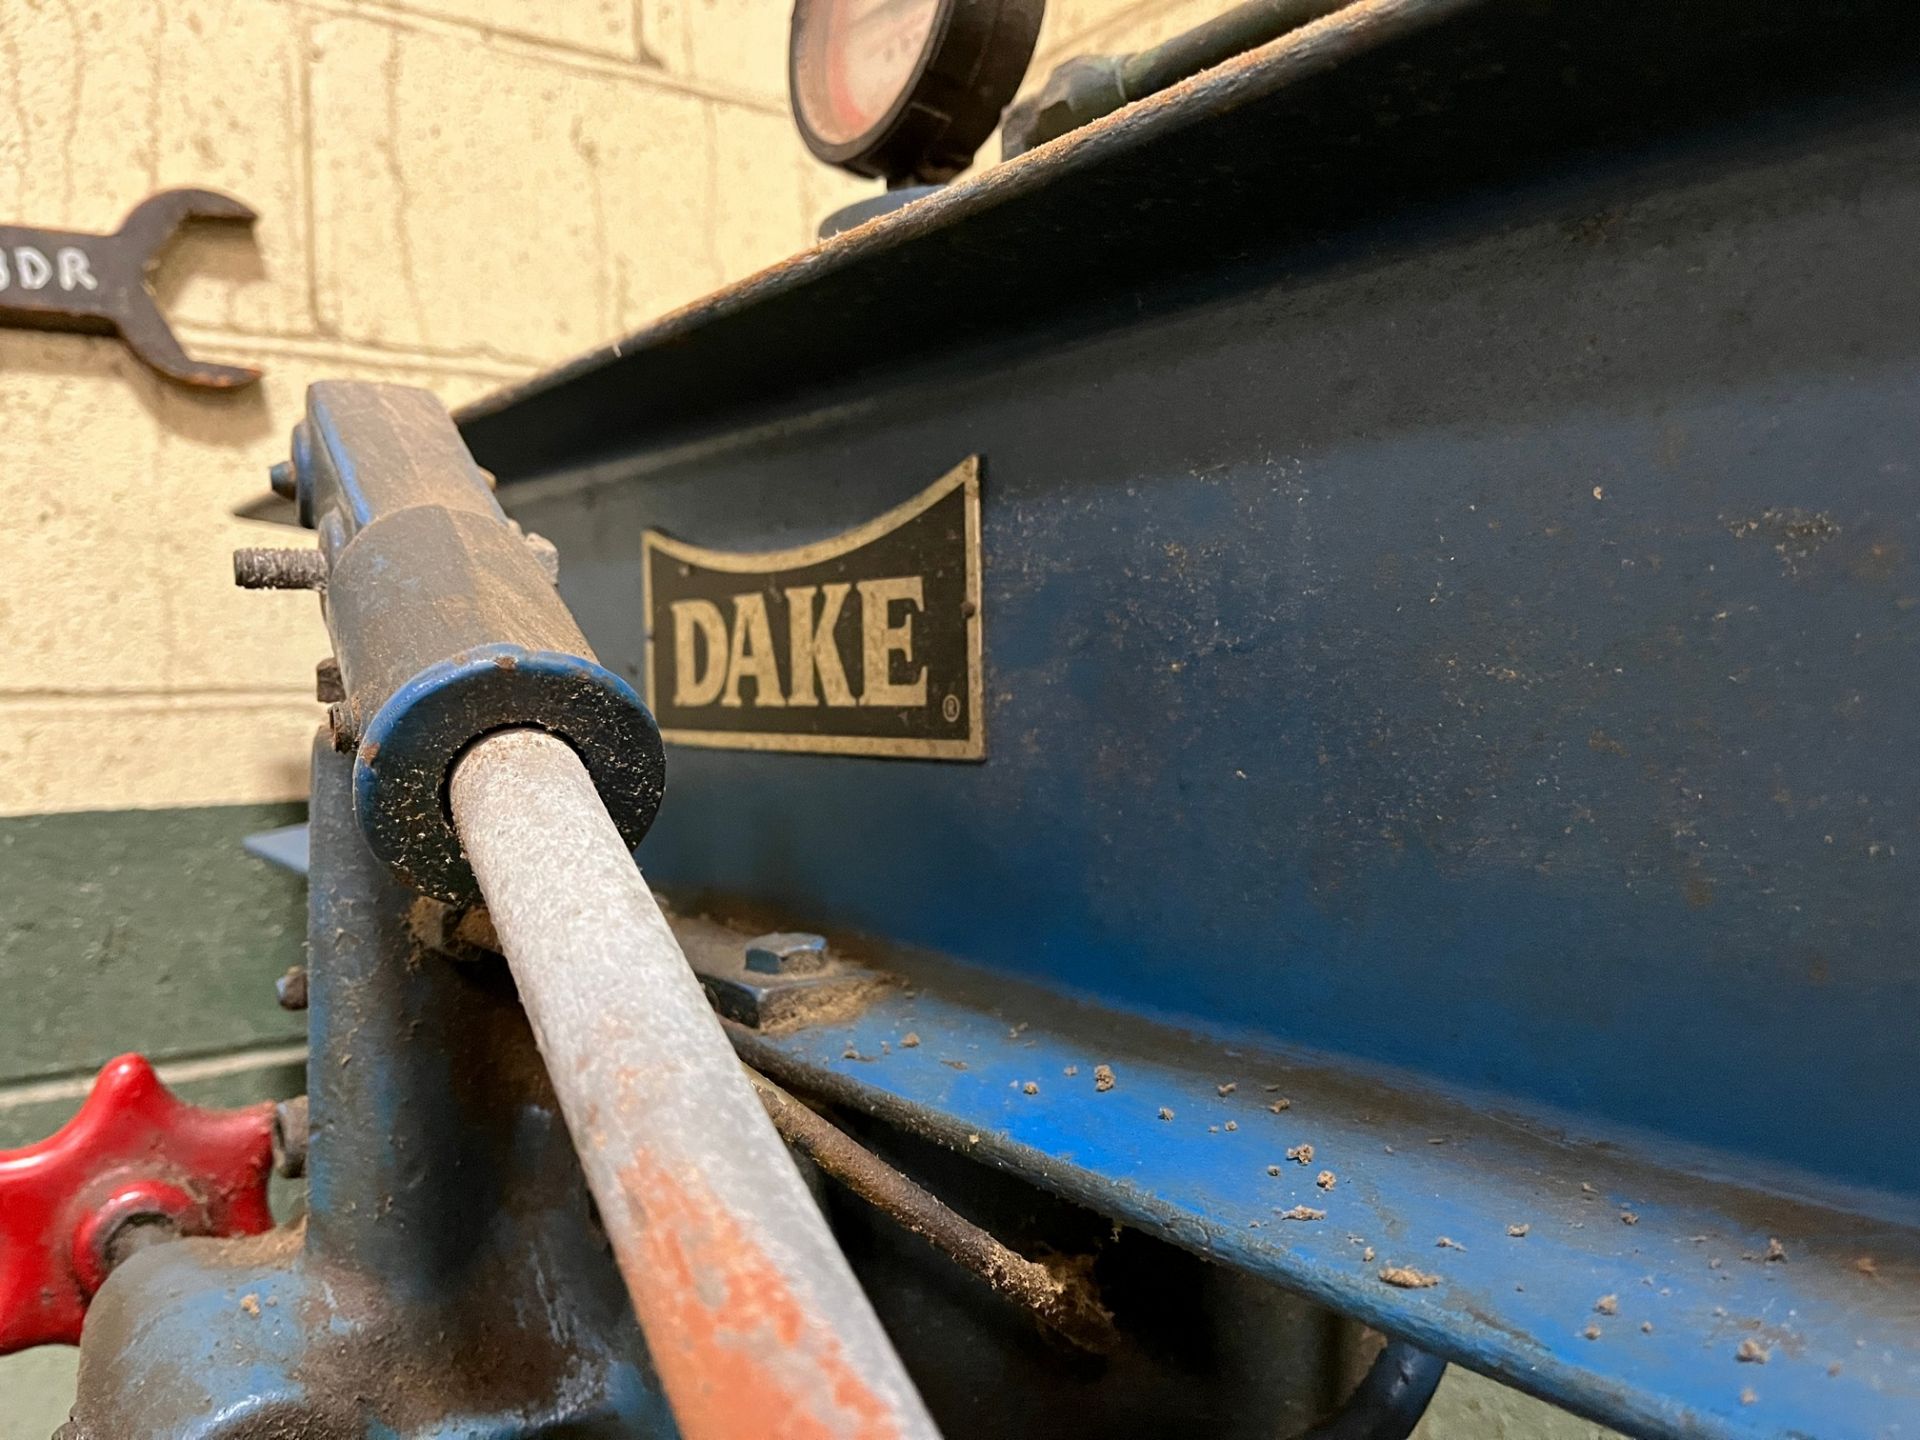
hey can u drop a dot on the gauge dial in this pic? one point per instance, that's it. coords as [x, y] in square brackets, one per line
[856, 58]
[906, 89]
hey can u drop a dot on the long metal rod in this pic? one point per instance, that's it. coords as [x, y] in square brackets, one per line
[1065, 1303]
[754, 1320]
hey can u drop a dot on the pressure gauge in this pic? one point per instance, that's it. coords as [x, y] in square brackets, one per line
[906, 89]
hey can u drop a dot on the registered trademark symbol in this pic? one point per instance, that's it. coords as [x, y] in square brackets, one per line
[950, 708]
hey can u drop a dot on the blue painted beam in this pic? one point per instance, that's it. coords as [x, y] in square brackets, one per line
[1613, 1274]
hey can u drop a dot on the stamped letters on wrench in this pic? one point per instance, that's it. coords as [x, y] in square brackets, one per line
[97, 284]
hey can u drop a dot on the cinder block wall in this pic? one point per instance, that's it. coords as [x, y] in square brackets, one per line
[452, 193]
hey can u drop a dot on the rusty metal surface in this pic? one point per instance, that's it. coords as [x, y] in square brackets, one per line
[1061, 1298]
[97, 284]
[753, 1319]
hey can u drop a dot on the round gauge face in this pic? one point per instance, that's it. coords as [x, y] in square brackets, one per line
[855, 59]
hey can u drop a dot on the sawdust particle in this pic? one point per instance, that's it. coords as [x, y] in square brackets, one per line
[1627, 1217]
[1447, 1242]
[1233, 1124]
[1607, 1305]
[1518, 1231]
[1301, 1212]
[1747, 1397]
[1302, 1153]
[1775, 1250]
[1273, 1169]
[909, 1040]
[954, 1064]
[1592, 1332]
[1071, 1071]
[251, 1304]
[1165, 1113]
[1752, 1352]
[1406, 1278]
[1325, 1180]
[1030, 1088]
[1646, 1327]
[1103, 1078]
[1866, 1266]
[1281, 1104]
[1225, 1090]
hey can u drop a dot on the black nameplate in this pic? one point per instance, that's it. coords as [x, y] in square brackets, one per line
[865, 644]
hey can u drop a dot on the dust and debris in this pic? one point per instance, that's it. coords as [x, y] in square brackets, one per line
[1366, 1256]
[1592, 1332]
[1103, 1078]
[1747, 1397]
[1213, 1129]
[1271, 1089]
[1627, 1217]
[1774, 1252]
[1165, 1113]
[1325, 1180]
[1607, 1305]
[1281, 1104]
[1071, 1071]
[1017, 1031]
[909, 1041]
[1387, 1148]
[1447, 1242]
[1796, 534]
[973, 1137]
[1273, 1169]
[1752, 1352]
[1587, 1189]
[1866, 1265]
[1713, 1263]
[886, 1048]
[1301, 1153]
[1407, 1278]
[1225, 1090]
[1518, 1231]
[954, 1064]
[1233, 1125]
[1834, 1368]
[1030, 1088]
[1301, 1212]
[251, 1304]
[1646, 1327]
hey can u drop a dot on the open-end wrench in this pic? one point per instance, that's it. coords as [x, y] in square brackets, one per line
[97, 284]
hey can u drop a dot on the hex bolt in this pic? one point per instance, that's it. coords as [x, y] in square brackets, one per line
[290, 1138]
[291, 988]
[328, 684]
[787, 953]
[258, 569]
[280, 476]
[341, 729]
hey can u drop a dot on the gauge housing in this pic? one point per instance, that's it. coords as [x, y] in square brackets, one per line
[957, 64]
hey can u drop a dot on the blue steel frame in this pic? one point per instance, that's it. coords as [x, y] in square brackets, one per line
[1450, 655]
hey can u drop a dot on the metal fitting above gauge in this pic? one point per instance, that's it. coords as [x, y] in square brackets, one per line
[906, 90]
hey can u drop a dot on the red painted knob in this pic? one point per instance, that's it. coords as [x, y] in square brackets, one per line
[134, 1163]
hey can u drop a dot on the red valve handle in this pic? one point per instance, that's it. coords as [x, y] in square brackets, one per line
[134, 1157]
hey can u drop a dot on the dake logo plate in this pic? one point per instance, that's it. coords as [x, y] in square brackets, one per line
[865, 644]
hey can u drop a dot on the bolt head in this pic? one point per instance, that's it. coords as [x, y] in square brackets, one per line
[787, 952]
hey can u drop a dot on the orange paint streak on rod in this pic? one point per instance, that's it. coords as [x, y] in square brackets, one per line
[756, 1324]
